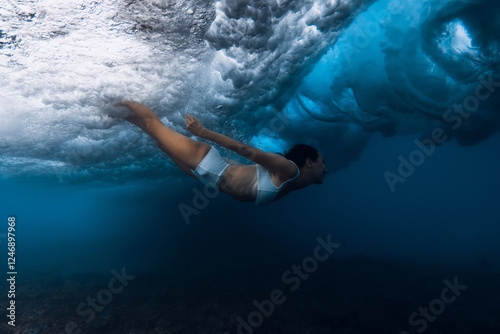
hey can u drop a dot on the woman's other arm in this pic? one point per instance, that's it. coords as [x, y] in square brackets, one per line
[271, 161]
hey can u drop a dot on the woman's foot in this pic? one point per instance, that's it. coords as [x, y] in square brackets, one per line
[125, 103]
[143, 112]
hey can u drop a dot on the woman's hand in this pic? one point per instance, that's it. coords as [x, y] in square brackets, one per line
[194, 126]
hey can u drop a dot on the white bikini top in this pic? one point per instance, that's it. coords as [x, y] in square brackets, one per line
[266, 190]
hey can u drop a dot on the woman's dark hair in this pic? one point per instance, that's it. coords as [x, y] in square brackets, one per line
[300, 152]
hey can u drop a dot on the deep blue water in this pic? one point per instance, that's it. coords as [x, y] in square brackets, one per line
[363, 81]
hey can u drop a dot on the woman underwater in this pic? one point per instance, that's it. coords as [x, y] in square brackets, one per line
[270, 178]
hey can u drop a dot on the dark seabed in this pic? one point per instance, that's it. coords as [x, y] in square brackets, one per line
[353, 295]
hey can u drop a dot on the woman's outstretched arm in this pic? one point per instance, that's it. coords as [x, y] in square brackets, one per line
[195, 127]
[271, 161]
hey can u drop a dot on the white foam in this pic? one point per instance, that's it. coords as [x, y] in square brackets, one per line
[73, 62]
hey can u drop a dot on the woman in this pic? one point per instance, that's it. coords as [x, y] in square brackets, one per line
[272, 177]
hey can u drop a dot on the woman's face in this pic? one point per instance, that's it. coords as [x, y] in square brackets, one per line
[318, 169]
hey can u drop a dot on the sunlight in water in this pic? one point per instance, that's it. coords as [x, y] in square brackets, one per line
[460, 39]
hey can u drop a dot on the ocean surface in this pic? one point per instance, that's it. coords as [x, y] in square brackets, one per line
[400, 97]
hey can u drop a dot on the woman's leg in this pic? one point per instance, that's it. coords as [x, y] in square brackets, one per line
[140, 123]
[185, 152]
